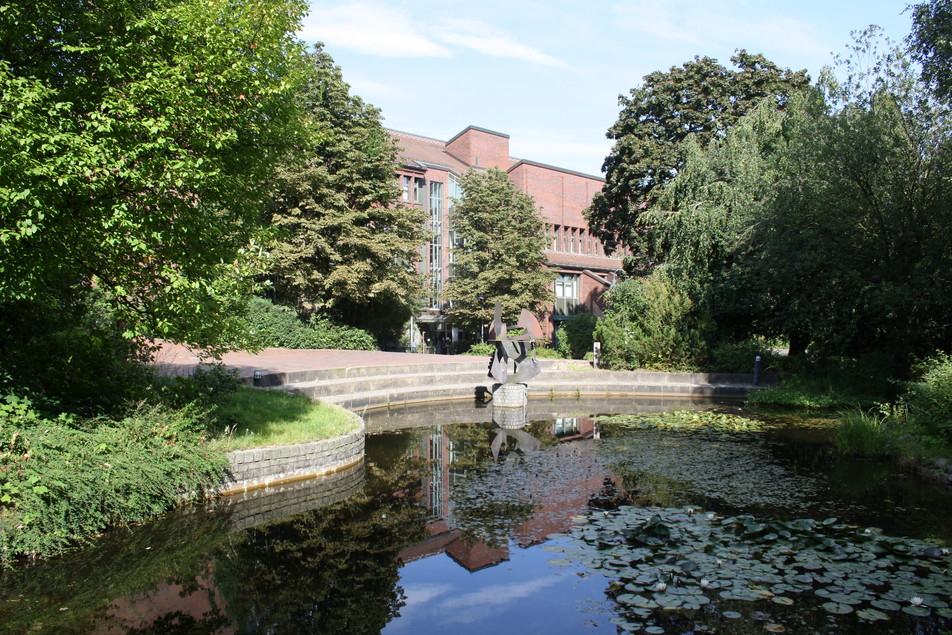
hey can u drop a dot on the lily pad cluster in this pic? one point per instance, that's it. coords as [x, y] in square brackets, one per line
[704, 566]
[685, 420]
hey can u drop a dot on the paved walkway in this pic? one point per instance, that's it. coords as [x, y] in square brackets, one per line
[178, 360]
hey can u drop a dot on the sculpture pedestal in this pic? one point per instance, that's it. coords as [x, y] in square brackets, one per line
[510, 395]
[510, 405]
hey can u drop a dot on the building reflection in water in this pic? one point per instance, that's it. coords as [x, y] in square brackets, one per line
[460, 452]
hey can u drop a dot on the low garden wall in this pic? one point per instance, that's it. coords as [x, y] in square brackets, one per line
[279, 465]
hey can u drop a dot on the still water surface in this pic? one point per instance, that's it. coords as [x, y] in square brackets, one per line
[456, 525]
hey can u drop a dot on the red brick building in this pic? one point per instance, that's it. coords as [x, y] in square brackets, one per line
[429, 175]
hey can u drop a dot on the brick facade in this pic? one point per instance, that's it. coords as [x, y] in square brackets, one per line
[429, 174]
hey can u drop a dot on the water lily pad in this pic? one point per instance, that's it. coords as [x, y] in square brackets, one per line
[560, 562]
[918, 611]
[775, 628]
[655, 630]
[731, 615]
[780, 599]
[886, 605]
[872, 615]
[836, 608]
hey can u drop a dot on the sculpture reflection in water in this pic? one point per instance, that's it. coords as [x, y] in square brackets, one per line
[512, 365]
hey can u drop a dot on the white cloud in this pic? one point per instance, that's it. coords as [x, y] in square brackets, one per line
[370, 28]
[710, 24]
[489, 40]
[469, 607]
[387, 30]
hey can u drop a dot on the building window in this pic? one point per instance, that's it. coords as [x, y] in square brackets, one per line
[566, 294]
[405, 186]
[419, 191]
[436, 243]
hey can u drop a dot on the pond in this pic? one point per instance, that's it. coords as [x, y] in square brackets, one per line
[569, 524]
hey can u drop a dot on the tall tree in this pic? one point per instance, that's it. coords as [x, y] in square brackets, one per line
[826, 222]
[931, 42]
[136, 137]
[701, 98]
[501, 258]
[342, 248]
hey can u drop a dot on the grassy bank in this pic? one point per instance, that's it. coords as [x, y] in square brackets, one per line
[65, 479]
[251, 418]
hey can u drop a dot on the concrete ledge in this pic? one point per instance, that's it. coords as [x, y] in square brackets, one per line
[284, 464]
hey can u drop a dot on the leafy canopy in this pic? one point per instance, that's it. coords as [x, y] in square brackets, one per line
[136, 137]
[702, 99]
[502, 256]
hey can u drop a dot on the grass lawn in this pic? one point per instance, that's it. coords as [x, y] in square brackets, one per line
[259, 418]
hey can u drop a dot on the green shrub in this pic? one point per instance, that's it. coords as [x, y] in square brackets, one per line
[481, 349]
[65, 480]
[650, 323]
[280, 327]
[545, 352]
[69, 355]
[738, 357]
[576, 335]
[929, 400]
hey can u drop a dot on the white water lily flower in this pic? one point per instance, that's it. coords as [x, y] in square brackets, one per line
[661, 586]
[711, 516]
[944, 551]
[690, 510]
[867, 531]
[719, 562]
[916, 601]
[705, 583]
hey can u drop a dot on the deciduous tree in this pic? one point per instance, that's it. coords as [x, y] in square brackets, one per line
[701, 98]
[501, 258]
[136, 137]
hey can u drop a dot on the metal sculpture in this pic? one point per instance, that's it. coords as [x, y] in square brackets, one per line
[517, 349]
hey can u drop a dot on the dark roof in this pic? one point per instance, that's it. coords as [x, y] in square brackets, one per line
[426, 152]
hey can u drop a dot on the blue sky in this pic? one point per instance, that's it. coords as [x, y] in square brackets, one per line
[549, 73]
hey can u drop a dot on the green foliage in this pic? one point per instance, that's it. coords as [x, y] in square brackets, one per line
[280, 327]
[821, 222]
[547, 352]
[702, 99]
[67, 353]
[862, 433]
[738, 357]
[931, 44]
[481, 349]
[929, 399]
[576, 335]
[136, 139]
[343, 249]
[65, 480]
[649, 323]
[207, 388]
[501, 257]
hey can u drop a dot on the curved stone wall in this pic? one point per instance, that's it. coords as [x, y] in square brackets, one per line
[283, 464]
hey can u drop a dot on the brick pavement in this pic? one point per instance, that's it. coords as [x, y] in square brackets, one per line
[179, 360]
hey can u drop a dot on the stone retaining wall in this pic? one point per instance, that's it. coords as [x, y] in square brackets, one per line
[277, 465]
[262, 505]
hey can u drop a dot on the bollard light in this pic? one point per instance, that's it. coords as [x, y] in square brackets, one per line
[757, 370]
[258, 376]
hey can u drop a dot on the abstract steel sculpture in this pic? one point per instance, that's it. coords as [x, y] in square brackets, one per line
[517, 348]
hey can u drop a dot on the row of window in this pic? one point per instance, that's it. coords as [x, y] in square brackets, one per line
[575, 240]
